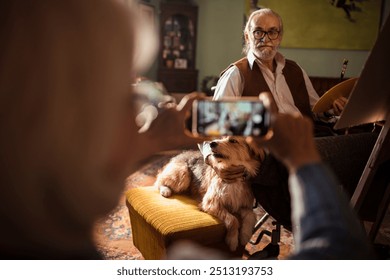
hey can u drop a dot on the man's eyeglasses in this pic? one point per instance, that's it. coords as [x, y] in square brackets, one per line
[260, 34]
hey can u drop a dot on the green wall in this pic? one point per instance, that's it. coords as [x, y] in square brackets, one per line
[220, 25]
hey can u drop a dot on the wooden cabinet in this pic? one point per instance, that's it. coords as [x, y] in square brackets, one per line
[176, 69]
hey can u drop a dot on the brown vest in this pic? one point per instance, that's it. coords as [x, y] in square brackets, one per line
[254, 82]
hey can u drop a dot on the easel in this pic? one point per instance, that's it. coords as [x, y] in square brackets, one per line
[369, 102]
[376, 177]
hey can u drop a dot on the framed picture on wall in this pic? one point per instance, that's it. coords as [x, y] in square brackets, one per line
[330, 24]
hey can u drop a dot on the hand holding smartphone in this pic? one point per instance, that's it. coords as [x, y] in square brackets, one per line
[241, 117]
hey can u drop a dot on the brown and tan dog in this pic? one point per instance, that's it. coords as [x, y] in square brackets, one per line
[229, 200]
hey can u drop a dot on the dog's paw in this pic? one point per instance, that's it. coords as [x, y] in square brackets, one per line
[232, 243]
[247, 225]
[165, 191]
[245, 236]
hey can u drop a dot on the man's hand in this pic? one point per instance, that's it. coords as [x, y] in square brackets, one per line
[292, 141]
[167, 130]
[338, 105]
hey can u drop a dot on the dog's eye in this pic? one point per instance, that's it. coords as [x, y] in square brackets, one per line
[232, 140]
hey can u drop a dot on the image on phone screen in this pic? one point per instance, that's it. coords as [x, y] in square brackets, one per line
[219, 118]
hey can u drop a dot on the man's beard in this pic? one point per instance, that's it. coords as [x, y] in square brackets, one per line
[264, 53]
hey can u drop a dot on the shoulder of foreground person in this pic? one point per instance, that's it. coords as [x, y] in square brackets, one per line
[326, 227]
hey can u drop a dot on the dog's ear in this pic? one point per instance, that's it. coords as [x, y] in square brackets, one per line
[257, 157]
[256, 152]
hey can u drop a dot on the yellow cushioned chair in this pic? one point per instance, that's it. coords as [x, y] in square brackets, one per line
[157, 221]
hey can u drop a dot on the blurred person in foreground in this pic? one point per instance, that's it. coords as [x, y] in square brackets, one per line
[68, 135]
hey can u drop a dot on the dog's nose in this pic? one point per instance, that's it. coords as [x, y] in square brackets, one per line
[213, 144]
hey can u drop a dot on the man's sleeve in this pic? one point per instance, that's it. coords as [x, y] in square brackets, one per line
[229, 85]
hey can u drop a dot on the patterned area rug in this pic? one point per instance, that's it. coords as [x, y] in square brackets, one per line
[113, 235]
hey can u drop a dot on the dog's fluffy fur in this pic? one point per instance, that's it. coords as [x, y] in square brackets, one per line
[230, 201]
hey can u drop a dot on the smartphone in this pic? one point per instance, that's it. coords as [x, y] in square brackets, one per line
[242, 117]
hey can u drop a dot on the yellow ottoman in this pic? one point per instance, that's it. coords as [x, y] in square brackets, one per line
[157, 221]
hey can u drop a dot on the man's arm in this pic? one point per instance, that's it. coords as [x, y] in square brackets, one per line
[325, 226]
[229, 85]
[313, 95]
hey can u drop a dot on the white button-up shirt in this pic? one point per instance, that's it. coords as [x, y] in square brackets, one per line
[231, 84]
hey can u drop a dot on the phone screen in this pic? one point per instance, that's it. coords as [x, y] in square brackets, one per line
[233, 117]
